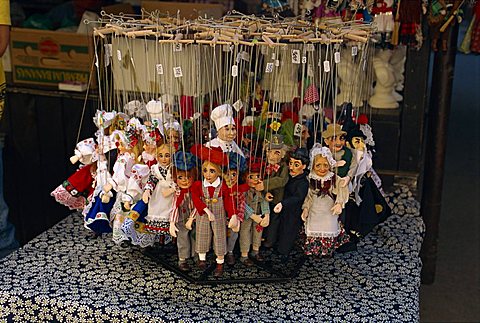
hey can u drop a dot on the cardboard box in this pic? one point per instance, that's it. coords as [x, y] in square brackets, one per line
[48, 57]
[188, 10]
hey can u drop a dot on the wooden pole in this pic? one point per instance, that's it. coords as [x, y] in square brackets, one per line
[436, 141]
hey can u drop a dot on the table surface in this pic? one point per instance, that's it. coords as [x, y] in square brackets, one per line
[65, 275]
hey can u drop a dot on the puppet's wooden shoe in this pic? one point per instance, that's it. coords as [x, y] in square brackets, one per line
[218, 272]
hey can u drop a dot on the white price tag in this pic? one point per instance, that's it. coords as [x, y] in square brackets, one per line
[295, 56]
[337, 57]
[234, 70]
[269, 68]
[238, 105]
[159, 68]
[304, 59]
[354, 50]
[177, 47]
[119, 55]
[274, 56]
[326, 66]
[177, 71]
[297, 132]
[277, 62]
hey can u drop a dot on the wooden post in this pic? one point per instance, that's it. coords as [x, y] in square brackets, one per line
[436, 141]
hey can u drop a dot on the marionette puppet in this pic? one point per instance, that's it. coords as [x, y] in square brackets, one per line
[441, 17]
[289, 209]
[275, 179]
[222, 116]
[96, 213]
[159, 192]
[256, 216]
[236, 165]
[129, 149]
[184, 173]
[323, 206]
[212, 200]
[368, 206]
[152, 138]
[173, 132]
[335, 139]
[74, 191]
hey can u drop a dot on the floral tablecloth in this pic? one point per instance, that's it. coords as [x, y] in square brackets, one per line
[65, 275]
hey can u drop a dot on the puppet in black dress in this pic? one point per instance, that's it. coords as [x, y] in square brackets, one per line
[290, 207]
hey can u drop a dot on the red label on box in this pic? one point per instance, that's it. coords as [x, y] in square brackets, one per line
[49, 47]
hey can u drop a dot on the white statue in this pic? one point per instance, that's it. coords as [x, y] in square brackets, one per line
[383, 97]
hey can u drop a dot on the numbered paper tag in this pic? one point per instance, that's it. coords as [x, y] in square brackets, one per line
[295, 56]
[119, 55]
[177, 47]
[234, 70]
[274, 56]
[309, 70]
[226, 48]
[354, 50]
[297, 132]
[304, 59]
[277, 62]
[310, 48]
[238, 105]
[177, 71]
[159, 68]
[337, 57]
[326, 66]
[269, 68]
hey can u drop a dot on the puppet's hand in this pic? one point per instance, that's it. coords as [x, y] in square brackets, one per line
[278, 208]
[126, 205]
[336, 209]
[340, 163]
[256, 218]
[265, 221]
[259, 187]
[269, 197]
[234, 223]
[167, 191]
[189, 223]
[146, 196]
[209, 213]
[173, 229]
[344, 181]
[74, 159]
[304, 215]
[105, 198]
[107, 187]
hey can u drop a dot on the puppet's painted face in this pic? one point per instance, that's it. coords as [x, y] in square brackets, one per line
[296, 167]
[184, 179]
[228, 132]
[253, 179]
[335, 143]
[210, 172]
[358, 143]
[150, 148]
[164, 157]
[231, 177]
[321, 165]
[274, 156]
[305, 133]
[173, 136]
